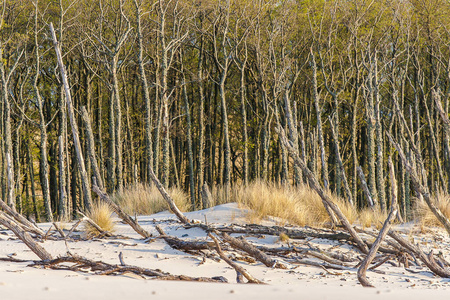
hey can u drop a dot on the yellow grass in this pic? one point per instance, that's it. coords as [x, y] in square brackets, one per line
[101, 214]
[424, 214]
[295, 205]
[372, 217]
[144, 200]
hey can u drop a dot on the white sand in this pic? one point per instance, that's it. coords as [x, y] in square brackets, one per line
[18, 281]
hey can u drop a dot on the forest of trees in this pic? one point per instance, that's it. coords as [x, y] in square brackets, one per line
[195, 90]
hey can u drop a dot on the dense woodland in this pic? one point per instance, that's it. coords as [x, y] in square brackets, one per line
[195, 91]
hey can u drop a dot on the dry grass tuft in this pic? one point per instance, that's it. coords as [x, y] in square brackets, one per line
[423, 213]
[296, 205]
[369, 217]
[101, 214]
[144, 200]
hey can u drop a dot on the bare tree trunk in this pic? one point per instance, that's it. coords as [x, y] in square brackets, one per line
[63, 207]
[370, 201]
[33, 188]
[434, 142]
[341, 164]
[201, 126]
[118, 124]
[370, 111]
[73, 124]
[379, 143]
[145, 92]
[24, 237]
[293, 133]
[7, 133]
[111, 161]
[319, 123]
[190, 153]
[90, 146]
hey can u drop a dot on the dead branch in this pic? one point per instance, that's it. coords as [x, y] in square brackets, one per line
[320, 265]
[24, 236]
[383, 232]
[325, 258]
[168, 198]
[183, 245]
[296, 234]
[239, 269]
[102, 268]
[59, 230]
[21, 219]
[243, 245]
[74, 227]
[427, 260]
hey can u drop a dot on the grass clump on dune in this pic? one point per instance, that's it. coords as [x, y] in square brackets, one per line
[296, 205]
[144, 200]
[372, 217]
[101, 214]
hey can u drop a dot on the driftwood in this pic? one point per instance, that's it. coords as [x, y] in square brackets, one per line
[102, 268]
[183, 245]
[59, 230]
[74, 227]
[383, 232]
[325, 258]
[243, 245]
[24, 236]
[239, 270]
[324, 265]
[428, 260]
[124, 216]
[296, 234]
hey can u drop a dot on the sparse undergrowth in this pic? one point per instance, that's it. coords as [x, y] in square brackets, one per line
[141, 199]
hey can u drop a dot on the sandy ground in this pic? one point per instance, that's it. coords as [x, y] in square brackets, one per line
[19, 281]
